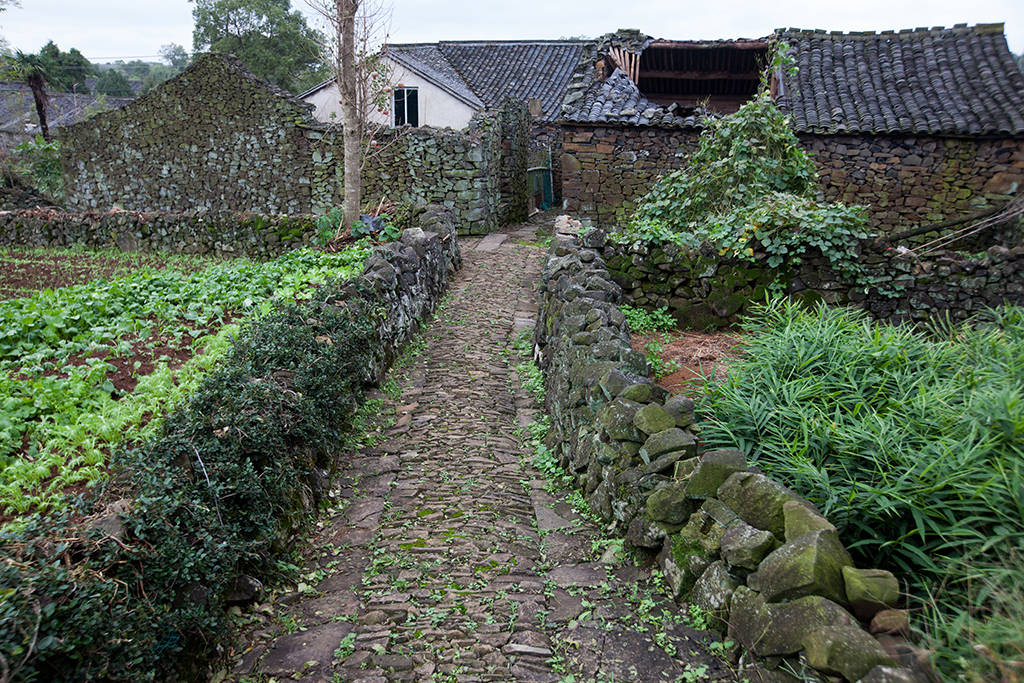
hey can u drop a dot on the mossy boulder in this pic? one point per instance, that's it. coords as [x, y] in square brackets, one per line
[744, 547]
[669, 505]
[707, 525]
[667, 440]
[799, 519]
[652, 419]
[616, 420]
[846, 650]
[680, 408]
[712, 592]
[870, 590]
[758, 500]
[665, 462]
[712, 470]
[773, 629]
[643, 533]
[620, 453]
[682, 563]
[812, 564]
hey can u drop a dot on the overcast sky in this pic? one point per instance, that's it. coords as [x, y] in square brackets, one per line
[106, 30]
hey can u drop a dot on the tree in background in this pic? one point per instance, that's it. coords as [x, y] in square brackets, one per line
[33, 70]
[113, 83]
[175, 55]
[273, 40]
[67, 71]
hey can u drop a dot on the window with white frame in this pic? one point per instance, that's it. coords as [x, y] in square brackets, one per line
[406, 107]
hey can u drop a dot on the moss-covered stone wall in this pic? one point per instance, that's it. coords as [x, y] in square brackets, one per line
[904, 181]
[702, 290]
[216, 138]
[762, 562]
[258, 236]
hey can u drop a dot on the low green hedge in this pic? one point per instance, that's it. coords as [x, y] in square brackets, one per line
[139, 591]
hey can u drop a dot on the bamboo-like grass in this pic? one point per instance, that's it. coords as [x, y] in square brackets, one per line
[912, 442]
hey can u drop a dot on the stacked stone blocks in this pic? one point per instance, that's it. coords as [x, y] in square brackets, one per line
[704, 290]
[767, 568]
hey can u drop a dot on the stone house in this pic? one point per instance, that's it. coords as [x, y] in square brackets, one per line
[919, 125]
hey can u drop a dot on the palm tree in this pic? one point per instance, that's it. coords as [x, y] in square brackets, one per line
[33, 70]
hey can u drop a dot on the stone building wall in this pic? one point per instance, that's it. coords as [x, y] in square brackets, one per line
[607, 169]
[216, 138]
[908, 181]
[904, 181]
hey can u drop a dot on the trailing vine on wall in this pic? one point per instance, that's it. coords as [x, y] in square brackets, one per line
[751, 191]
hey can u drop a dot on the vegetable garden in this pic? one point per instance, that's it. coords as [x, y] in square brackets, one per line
[85, 366]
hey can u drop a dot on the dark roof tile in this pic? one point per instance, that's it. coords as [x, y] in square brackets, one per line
[484, 73]
[958, 81]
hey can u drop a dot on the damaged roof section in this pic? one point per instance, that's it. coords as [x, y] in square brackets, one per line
[957, 81]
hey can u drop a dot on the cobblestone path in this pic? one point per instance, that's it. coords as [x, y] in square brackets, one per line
[448, 557]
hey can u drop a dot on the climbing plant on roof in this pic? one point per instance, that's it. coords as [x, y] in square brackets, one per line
[750, 190]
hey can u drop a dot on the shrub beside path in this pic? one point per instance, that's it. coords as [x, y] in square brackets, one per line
[447, 557]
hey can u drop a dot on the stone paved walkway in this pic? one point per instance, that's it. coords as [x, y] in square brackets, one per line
[447, 557]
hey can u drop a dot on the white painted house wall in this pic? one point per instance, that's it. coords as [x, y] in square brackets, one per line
[437, 107]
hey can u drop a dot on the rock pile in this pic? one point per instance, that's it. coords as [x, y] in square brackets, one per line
[764, 564]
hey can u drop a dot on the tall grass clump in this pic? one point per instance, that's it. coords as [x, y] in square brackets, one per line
[912, 442]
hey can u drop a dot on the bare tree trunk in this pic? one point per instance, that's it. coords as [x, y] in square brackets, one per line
[352, 132]
[35, 82]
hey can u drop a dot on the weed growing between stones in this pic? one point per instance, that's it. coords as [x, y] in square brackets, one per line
[641, 320]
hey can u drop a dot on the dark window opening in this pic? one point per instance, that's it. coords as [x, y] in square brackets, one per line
[407, 109]
[719, 76]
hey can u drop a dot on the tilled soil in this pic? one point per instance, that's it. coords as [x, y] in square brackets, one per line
[697, 356]
[448, 558]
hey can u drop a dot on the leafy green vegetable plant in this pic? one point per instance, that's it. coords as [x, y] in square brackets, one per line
[641, 320]
[58, 421]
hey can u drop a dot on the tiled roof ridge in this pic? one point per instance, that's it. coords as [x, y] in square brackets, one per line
[416, 66]
[540, 41]
[978, 29]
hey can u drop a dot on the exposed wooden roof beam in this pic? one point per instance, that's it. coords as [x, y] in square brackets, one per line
[700, 75]
[707, 45]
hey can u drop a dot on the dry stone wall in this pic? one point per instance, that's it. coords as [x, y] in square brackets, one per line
[213, 138]
[763, 563]
[703, 290]
[196, 232]
[904, 181]
[216, 138]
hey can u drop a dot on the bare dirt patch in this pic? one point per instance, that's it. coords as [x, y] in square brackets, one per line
[700, 355]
